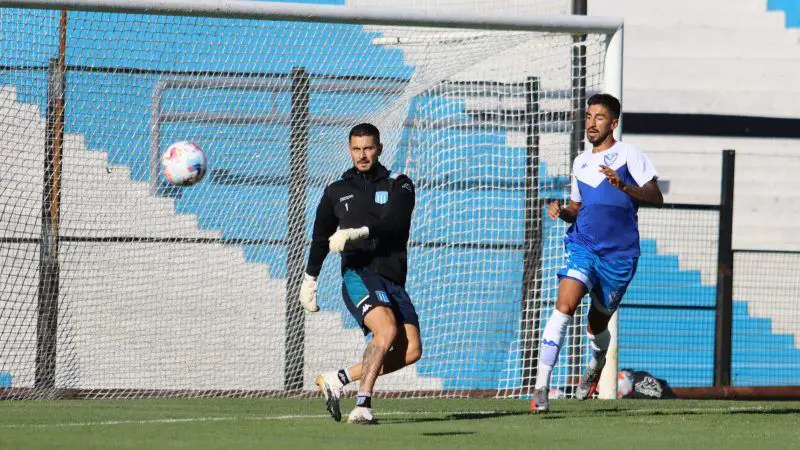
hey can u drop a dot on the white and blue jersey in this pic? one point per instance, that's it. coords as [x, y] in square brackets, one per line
[607, 223]
[603, 244]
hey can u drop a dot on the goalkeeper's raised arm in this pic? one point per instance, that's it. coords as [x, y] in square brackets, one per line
[325, 224]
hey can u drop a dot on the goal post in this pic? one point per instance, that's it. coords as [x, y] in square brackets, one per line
[192, 291]
[607, 387]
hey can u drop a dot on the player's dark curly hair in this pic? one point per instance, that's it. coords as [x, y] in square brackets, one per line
[609, 101]
[366, 129]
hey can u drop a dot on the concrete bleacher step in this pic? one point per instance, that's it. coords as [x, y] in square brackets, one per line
[691, 42]
[769, 299]
[725, 71]
[23, 170]
[712, 145]
[692, 235]
[200, 344]
[706, 17]
[687, 77]
[781, 166]
[638, 6]
[745, 102]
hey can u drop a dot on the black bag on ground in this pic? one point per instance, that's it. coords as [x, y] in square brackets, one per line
[642, 385]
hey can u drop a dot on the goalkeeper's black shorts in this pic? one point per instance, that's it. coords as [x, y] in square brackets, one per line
[364, 290]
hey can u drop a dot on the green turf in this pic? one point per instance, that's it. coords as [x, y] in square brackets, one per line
[406, 424]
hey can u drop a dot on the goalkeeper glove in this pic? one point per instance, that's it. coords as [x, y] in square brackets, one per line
[308, 293]
[337, 242]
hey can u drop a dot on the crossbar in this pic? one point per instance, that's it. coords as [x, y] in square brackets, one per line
[292, 12]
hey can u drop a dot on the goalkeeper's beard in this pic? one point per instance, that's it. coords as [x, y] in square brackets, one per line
[365, 165]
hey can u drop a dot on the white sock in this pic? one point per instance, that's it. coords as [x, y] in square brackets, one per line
[599, 343]
[552, 338]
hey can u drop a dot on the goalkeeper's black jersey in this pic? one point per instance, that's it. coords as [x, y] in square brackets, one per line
[378, 199]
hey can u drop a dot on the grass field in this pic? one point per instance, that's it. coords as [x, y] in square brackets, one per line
[407, 424]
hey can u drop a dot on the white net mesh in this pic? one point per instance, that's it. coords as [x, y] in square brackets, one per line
[183, 291]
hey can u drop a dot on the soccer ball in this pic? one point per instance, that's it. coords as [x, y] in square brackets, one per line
[624, 383]
[183, 163]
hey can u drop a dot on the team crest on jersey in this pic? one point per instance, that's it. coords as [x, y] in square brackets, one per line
[381, 197]
[610, 158]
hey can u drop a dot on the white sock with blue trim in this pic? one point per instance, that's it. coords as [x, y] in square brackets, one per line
[599, 343]
[552, 338]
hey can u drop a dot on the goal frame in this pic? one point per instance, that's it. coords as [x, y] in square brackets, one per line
[612, 28]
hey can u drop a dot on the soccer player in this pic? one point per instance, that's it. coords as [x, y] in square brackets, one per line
[602, 244]
[372, 207]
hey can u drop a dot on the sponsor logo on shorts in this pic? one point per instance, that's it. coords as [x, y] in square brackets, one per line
[365, 309]
[614, 296]
[382, 296]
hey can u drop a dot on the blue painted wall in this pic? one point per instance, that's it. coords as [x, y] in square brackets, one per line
[790, 7]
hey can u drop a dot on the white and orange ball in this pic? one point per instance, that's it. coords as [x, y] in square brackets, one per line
[624, 383]
[184, 163]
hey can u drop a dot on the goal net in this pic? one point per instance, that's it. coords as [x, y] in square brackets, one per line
[114, 283]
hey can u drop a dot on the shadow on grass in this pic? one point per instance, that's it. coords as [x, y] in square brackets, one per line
[447, 433]
[655, 411]
[456, 416]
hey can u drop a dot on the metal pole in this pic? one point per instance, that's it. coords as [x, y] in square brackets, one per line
[578, 84]
[579, 8]
[49, 271]
[155, 134]
[724, 312]
[532, 259]
[296, 232]
[612, 84]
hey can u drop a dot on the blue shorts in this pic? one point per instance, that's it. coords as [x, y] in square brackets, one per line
[363, 290]
[606, 280]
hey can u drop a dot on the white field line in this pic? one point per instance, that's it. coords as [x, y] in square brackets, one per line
[231, 418]
[382, 414]
[695, 410]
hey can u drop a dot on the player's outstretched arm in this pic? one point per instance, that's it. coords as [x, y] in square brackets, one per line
[325, 224]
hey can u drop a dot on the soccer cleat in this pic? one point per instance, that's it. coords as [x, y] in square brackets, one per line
[361, 416]
[331, 388]
[587, 384]
[540, 402]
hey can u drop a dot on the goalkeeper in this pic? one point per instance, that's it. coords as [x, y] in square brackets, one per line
[372, 208]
